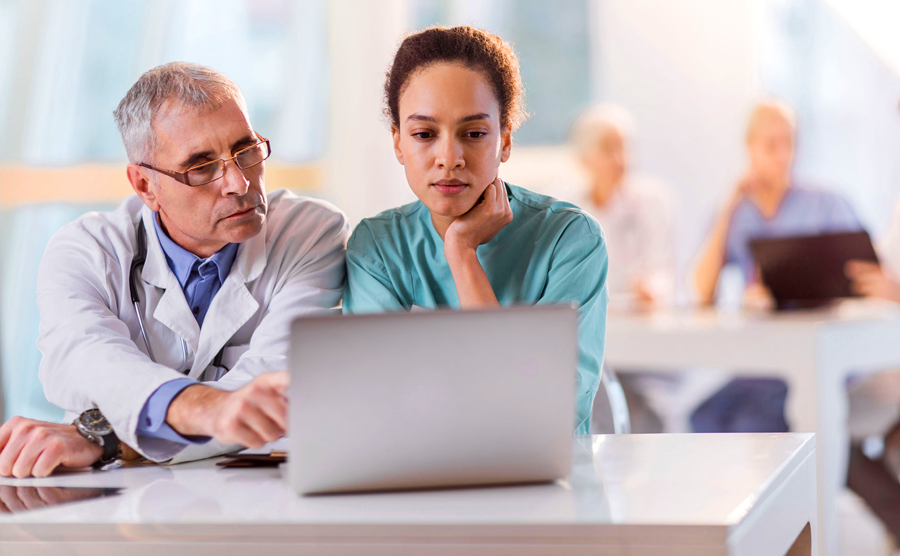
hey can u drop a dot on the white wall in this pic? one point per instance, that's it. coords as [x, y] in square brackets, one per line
[363, 176]
[688, 72]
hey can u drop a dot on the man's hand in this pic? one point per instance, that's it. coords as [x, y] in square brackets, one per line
[868, 279]
[21, 498]
[30, 448]
[251, 416]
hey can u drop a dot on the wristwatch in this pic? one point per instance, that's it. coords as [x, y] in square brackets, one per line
[93, 425]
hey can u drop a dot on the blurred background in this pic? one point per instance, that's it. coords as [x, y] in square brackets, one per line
[688, 71]
[312, 72]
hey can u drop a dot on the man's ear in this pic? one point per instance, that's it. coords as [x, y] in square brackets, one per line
[141, 182]
[505, 143]
[395, 133]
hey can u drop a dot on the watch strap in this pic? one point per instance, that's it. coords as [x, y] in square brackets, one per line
[110, 449]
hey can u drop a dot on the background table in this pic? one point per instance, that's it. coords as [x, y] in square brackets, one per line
[697, 495]
[813, 351]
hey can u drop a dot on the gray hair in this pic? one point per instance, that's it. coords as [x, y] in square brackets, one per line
[190, 85]
[594, 123]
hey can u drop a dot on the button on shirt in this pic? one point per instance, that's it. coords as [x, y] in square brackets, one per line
[200, 279]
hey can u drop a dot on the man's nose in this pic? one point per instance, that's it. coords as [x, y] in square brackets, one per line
[234, 182]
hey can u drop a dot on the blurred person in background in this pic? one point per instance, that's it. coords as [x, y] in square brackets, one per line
[636, 212]
[637, 216]
[874, 400]
[765, 203]
[880, 280]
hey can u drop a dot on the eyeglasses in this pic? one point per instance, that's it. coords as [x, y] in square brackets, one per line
[211, 171]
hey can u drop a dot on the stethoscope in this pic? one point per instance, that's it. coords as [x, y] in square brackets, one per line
[137, 263]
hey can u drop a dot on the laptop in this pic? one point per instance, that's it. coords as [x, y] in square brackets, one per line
[808, 271]
[432, 399]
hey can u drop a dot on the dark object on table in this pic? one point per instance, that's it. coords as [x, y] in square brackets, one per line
[237, 459]
[15, 499]
[808, 271]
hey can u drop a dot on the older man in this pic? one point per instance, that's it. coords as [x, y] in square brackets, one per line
[162, 322]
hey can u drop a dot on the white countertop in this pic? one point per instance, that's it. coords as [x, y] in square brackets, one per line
[705, 318]
[813, 351]
[711, 479]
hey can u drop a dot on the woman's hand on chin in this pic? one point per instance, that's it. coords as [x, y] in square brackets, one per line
[481, 223]
[465, 234]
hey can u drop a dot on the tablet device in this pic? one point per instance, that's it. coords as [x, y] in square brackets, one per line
[807, 271]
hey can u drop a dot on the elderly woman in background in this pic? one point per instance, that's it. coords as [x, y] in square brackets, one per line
[765, 203]
[636, 212]
[637, 216]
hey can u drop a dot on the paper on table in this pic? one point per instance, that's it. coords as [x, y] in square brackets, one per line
[280, 445]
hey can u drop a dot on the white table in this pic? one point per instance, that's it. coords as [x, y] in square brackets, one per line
[813, 351]
[698, 495]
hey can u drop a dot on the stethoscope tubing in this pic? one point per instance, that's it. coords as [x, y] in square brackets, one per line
[137, 262]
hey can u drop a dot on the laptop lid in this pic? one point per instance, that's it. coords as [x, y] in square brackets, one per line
[432, 399]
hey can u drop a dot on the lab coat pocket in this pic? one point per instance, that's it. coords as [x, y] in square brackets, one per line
[231, 354]
[230, 357]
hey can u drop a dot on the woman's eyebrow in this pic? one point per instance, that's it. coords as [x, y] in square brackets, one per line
[473, 117]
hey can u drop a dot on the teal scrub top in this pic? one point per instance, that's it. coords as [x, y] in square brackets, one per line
[552, 252]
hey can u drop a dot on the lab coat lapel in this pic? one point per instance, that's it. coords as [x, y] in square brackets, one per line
[233, 305]
[172, 310]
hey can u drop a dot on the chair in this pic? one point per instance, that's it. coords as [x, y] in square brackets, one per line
[610, 410]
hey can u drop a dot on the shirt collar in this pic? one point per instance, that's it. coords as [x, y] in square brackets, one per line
[182, 261]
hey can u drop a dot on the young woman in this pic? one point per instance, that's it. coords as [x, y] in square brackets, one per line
[454, 97]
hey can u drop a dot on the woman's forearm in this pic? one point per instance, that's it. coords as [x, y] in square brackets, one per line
[712, 258]
[472, 284]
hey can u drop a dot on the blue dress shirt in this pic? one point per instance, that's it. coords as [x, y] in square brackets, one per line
[803, 211]
[200, 279]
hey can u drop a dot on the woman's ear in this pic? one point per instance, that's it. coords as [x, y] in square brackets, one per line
[395, 133]
[140, 181]
[505, 143]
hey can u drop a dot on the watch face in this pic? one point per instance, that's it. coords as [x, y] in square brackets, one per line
[94, 422]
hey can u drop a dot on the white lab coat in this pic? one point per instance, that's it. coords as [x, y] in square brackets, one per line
[93, 353]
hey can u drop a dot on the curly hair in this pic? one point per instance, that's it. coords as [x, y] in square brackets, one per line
[475, 49]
